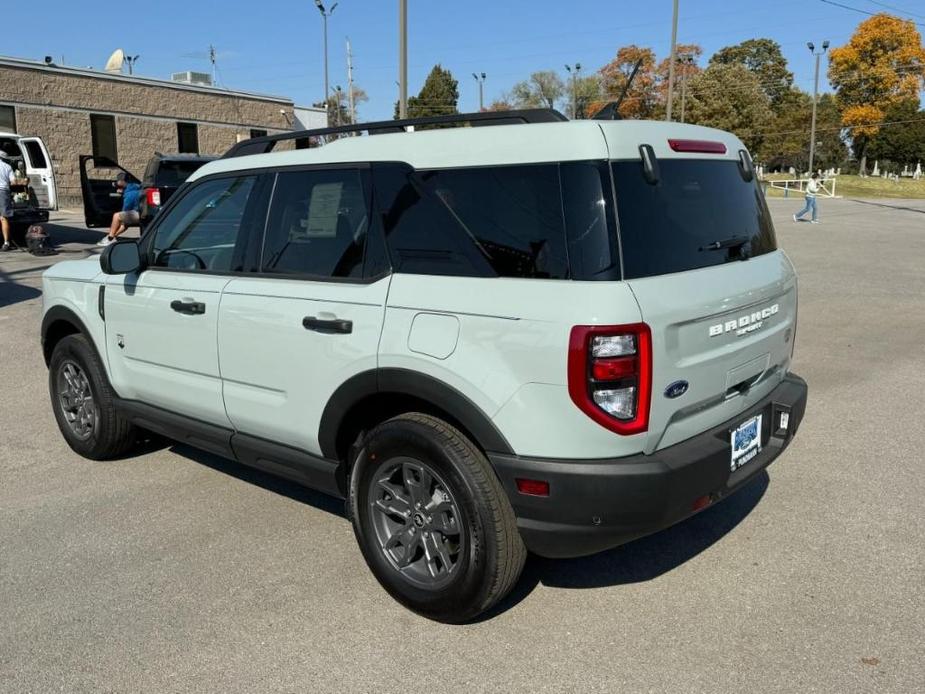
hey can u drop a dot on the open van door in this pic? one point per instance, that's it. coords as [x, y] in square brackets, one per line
[40, 172]
[98, 187]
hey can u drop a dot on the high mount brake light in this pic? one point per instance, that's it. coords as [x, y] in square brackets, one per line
[610, 374]
[701, 146]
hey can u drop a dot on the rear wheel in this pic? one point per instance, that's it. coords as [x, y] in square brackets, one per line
[432, 520]
[83, 402]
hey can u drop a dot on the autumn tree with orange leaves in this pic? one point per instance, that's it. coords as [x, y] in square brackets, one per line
[883, 63]
[642, 98]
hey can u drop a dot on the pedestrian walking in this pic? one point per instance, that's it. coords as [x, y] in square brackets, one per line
[812, 189]
[6, 210]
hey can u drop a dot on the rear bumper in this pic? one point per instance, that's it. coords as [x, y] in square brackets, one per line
[598, 504]
[29, 216]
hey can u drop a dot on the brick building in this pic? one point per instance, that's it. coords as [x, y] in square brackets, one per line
[127, 118]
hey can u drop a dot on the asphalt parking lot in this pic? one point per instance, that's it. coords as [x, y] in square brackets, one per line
[175, 570]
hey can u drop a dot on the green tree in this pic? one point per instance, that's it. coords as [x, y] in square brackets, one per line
[542, 90]
[438, 97]
[785, 143]
[762, 57]
[903, 142]
[728, 97]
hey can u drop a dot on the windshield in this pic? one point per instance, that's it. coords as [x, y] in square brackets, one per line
[173, 173]
[699, 213]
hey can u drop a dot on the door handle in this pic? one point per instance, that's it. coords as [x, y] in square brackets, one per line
[320, 325]
[192, 308]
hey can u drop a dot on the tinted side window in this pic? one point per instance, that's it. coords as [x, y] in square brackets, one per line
[318, 224]
[513, 212]
[201, 231]
[423, 236]
[587, 198]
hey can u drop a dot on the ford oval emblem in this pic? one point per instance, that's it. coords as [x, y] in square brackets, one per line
[676, 389]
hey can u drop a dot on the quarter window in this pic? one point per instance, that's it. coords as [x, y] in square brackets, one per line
[203, 229]
[514, 214]
[318, 224]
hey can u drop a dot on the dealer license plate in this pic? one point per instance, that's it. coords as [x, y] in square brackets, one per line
[746, 442]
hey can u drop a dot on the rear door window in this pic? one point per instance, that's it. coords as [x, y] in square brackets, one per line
[173, 173]
[671, 225]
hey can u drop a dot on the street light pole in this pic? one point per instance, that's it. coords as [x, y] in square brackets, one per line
[685, 64]
[812, 128]
[325, 13]
[574, 74]
[402, 58]
[480, 78]
[674, 50]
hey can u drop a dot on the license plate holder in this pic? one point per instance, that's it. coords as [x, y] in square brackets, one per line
[745, 442]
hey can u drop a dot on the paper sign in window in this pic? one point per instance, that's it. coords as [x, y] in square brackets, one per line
[322, 211]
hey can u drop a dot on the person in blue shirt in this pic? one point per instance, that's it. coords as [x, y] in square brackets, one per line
[131, 199]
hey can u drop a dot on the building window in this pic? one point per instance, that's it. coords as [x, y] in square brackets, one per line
[103, 135]
[7, 119]
[258, 133]
[187, 138]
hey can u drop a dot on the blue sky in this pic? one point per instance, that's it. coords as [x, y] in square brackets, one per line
[274, 46]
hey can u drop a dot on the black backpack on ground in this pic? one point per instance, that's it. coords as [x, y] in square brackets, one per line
[38, 242]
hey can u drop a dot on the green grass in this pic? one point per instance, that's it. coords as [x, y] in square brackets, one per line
[857, 187]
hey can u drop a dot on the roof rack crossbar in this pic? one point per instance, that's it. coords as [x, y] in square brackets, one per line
[266, 143]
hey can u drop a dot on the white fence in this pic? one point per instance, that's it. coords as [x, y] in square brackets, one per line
[798, 186]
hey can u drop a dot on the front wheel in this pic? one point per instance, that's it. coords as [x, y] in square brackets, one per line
[432, 520]
[83, 402]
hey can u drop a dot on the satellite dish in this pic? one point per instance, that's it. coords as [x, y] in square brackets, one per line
[114, 64]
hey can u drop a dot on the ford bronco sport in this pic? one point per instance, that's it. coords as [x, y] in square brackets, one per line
[546, 336]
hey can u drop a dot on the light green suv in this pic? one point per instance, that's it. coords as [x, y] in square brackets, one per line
[528, 335]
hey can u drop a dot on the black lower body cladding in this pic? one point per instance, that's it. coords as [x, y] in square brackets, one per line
[599, 504]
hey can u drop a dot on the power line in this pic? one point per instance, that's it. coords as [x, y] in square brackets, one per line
[897, 9]
[858, 9]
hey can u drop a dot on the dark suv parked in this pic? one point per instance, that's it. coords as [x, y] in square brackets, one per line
[164, 174]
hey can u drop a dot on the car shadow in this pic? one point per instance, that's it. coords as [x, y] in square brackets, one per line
[643, 559]
[635, 562]
[12, 292]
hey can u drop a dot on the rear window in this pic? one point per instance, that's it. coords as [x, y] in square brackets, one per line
[173, 173]
[669, 226]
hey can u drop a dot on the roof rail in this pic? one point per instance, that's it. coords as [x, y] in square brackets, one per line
[262, 145]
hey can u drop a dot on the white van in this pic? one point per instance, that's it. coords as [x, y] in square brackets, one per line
[37, 163]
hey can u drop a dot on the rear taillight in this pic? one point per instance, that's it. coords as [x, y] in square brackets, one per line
[610, 374]
[153, 197]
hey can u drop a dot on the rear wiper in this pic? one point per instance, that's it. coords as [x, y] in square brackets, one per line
[732, 242]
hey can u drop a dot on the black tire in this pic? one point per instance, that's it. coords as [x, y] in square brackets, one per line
[489, 552]
[109, 434]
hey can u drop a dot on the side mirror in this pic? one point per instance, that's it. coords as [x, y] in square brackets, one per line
[746, 167]
[121, 258]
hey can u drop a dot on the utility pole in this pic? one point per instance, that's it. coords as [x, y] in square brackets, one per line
[212, 60]
[574, 73]
[812, 128]
[131, 60]
[402, 58]
[352, 105]
[325, 13]
[674, 50]
[686, 62]
[480, 78]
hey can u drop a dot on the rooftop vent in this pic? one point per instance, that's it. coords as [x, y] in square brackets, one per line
[203, 79]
